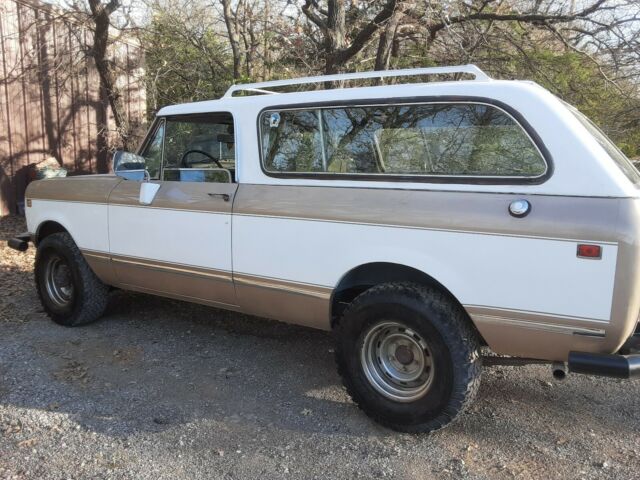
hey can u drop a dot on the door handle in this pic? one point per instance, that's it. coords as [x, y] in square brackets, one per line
[223, 196]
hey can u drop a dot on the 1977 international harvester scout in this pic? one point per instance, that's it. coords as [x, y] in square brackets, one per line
[418, 221]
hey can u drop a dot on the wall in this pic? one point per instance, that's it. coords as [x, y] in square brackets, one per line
[50, 100]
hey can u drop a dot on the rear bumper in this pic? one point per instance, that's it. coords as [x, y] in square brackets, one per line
[617, 366]
[20, 242]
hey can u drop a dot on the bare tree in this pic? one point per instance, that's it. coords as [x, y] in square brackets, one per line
[98, 17]
[233, 29]
[101, 16]
[245, 30]
[339, 47]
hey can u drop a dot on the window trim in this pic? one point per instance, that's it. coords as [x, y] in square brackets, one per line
[150, 133]
[163, 121]
[155, 126]
[517, 117]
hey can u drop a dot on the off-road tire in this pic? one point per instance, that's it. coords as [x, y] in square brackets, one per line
[90, 295]
[451, 338]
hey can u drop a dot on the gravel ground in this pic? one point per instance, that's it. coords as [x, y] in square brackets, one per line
[165, 389]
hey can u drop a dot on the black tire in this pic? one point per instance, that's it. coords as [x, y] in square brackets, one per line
[453, 349]
[85, 296]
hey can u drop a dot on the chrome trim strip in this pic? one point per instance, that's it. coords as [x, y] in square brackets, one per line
[209, 212]
[317, 291]
[563, 329]
[67, 201]
[178, 268]
[320, 292]
[96, 255]
[177, 296]
[600, 334]
[510, 313]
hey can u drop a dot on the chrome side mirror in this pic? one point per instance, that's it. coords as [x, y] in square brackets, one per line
[129, 165]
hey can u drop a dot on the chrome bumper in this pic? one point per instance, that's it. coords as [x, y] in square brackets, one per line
[616, 366]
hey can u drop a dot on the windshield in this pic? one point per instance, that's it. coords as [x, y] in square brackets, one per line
[614, 152]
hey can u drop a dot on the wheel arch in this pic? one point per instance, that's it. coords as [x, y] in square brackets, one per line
[361, 278]
[48, 227]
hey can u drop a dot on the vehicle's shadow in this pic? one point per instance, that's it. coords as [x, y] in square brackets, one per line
[152, 363]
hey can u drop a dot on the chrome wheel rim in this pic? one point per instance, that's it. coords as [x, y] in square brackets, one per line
[58, 281]
[397, 361]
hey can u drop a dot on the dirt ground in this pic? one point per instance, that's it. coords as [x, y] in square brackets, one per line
[165, 389]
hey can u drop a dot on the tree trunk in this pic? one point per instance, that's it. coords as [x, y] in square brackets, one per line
[335, 38]
[100, 14]
[386, 42]
[230, 21]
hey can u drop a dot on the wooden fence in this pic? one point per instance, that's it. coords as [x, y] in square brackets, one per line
[50, 98]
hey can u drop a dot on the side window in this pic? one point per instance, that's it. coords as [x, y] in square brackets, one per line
[153, 152]
[454, 139]
[199, 148]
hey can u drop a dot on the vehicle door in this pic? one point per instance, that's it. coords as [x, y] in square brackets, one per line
[179, 244]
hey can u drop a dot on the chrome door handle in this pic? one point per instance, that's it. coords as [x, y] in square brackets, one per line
[223, 196]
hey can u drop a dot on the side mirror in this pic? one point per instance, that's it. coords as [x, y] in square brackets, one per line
[128, 165]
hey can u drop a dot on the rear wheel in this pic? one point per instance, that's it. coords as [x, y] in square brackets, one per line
[408, 356]
[70, 292]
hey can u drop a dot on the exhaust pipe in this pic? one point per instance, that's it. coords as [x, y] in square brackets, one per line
[20, 242]
[559, 370]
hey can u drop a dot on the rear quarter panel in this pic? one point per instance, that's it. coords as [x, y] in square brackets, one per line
[518, 278]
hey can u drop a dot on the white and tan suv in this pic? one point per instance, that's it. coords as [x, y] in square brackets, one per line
[418, 221]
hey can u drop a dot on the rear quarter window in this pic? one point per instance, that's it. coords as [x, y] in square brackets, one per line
[436, 139]
[620, 159]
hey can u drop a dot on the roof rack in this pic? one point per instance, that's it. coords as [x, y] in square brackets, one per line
[263, 86]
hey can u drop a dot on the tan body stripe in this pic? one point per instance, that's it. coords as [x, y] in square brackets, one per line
[80, 189]
[557, 218]
[173, 267]
[408, 227]
[269, 297]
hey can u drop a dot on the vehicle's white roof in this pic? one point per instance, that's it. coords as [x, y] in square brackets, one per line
[489, 89]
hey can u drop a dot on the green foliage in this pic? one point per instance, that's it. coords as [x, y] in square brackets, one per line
[576, 79]
[184, 63]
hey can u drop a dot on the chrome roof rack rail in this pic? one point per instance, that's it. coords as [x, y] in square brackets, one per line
[262, 86]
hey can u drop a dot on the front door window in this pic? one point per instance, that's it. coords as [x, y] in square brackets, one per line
[199, 148]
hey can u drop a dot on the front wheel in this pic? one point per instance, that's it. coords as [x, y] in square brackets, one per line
[70, 292]
[408, 356]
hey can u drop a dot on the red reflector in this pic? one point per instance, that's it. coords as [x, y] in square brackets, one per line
[589, 251]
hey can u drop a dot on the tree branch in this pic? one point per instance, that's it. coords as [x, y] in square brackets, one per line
[538, 18]
[364, 35]
[312, 15]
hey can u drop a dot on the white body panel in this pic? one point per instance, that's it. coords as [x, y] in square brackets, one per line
[201, 239]
[482, 270]
[86, 222]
